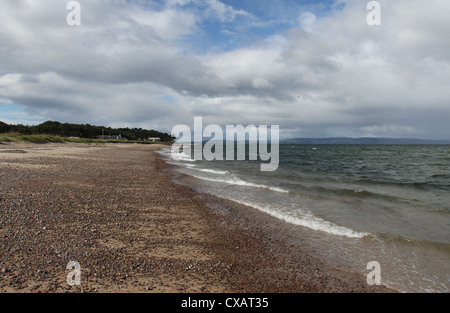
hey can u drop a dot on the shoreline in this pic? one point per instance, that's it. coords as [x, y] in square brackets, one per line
[279, 237]
[116, 210]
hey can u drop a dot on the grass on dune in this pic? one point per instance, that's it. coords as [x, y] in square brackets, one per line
[41, 139]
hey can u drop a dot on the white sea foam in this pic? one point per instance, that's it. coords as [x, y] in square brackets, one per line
[239, 182]
[181, 156]
[212, 171]
[188, 165]
[165, 152]
[307, 220]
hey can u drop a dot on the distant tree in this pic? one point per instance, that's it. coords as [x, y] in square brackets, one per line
[83, 130]
[19, 128]
[4, 127]
[49, 128]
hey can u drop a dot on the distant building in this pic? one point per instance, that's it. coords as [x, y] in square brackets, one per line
[111, 137]
[154, 139]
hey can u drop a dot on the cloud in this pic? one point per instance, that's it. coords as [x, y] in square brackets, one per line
[210, 9]
[307, 20]
[319, 71]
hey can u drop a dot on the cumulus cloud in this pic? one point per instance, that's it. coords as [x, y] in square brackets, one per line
[326, 73]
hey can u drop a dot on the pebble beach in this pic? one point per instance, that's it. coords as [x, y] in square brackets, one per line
[116, 211]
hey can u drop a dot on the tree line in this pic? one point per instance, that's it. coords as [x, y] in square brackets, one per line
[82, 131]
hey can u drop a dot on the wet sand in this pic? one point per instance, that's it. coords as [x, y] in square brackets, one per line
[116, 210]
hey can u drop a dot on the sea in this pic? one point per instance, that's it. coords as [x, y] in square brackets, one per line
[355, 203]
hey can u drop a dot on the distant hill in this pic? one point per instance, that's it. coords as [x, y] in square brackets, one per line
[82, 131]
[364, 141]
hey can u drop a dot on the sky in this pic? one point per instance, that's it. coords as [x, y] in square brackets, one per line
[315, 68]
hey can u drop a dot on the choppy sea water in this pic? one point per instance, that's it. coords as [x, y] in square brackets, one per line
[358, 203]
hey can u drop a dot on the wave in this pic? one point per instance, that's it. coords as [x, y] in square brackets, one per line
[307, 220]
[240, 182]
[446, 176]
[360, 193]
[443, 247]
[433, 183]
[304, 219]
[180, 156]
[179, 159]
[188, 165]
[212, 171]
